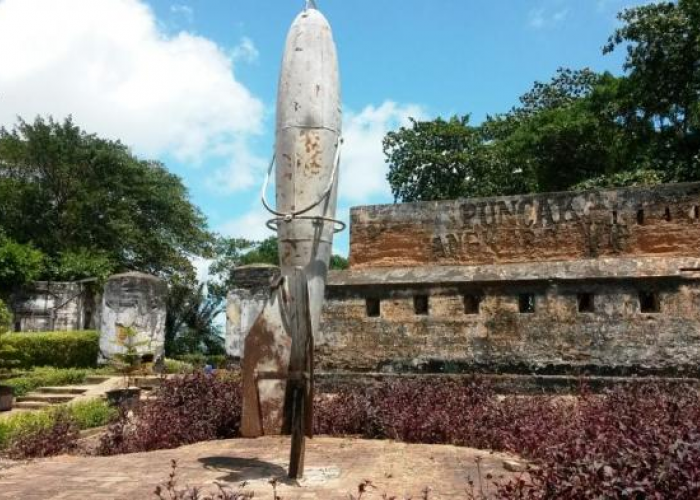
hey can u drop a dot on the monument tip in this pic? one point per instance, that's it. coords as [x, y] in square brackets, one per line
[311, 4]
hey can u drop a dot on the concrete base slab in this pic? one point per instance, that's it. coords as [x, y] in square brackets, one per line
[335, 469]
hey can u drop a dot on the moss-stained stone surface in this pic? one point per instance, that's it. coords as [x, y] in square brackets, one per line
[557, 226]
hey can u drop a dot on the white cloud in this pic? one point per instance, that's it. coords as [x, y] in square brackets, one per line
[245, 51]
[110, 65]
[250, 225]
[244, 170]
[363, 167]
[540, 18]
[183, 10]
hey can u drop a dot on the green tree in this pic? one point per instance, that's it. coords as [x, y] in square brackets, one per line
[19, 264]
[662, 41]
[561, 134]
[435, 160]
[564, 133]
[191, 322]
[580, 130]
[91, 206]
[339, 263]
[235, 252]
[8, 354]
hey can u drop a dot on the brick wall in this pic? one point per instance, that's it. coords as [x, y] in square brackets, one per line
[560, 226]
[610, 335]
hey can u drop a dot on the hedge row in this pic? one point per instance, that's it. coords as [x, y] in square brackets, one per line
[46, 377]
[57, 349]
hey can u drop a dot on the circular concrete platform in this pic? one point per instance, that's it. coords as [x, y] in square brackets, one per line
[334, 469]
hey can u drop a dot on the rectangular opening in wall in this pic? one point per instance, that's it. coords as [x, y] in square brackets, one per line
[586, 303]
[640, 217]
[18, 326]
[373, 307]
[614, 217]
[667, 214]
[421, 305]
[649, 302]
[472, 304]
[696, 212]
[526, 302]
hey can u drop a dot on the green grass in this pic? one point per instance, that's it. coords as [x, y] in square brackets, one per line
[86, 414]
[50, 377]
[91, 413]
[175, 366]
[46, 377]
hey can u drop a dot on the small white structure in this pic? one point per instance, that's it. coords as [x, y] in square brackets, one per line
[245, 302]
[134, 300]
[46, 306]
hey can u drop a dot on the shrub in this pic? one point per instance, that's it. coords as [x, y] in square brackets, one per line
[14, 425]
[19, 431]
[174, 366]
[8, 354]
[46, 376]
[637, 441]
[200, 360]
[91, 413]
[5, 318]
[39, 441]
[58, 349]
[187, 410]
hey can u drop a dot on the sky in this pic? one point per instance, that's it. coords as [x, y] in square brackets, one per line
[193, 82]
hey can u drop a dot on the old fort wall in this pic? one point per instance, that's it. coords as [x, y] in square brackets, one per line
[664, 221]
[600, 282]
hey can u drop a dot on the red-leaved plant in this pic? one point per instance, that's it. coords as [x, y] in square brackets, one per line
[186, 410]
[61, 436]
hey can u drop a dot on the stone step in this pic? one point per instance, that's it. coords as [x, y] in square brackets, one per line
[62, 390]
[36, 397]
[96, 379]
[147, 383]
[30, 405]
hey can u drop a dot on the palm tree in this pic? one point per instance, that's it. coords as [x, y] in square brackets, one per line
[191, 322]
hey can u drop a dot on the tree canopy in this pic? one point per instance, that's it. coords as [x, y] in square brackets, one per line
[83, 206]
[236, 252]
[580, 130]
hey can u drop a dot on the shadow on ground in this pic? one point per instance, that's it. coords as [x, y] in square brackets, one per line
[239, 470]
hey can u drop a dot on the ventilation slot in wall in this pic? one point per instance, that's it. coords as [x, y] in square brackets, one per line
[667, 214]
[526, 303]
[586, 303]
[640, 217]
[649, 302]
[472, 304]
[421, 305]
[373, 308]
[696, 212]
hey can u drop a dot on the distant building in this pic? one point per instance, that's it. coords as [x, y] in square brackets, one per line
[46, 306]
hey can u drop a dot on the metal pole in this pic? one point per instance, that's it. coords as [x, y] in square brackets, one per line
[299, 411]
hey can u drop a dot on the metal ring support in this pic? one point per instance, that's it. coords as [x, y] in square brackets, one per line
[325, 194]
[273, 224]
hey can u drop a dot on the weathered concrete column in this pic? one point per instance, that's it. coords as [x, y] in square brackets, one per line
[134, 300]
[245, 303]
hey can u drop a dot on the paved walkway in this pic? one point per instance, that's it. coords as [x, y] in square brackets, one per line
[334, 468]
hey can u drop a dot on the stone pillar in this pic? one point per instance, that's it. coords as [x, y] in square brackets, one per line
[134, 300]
[245, 302]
